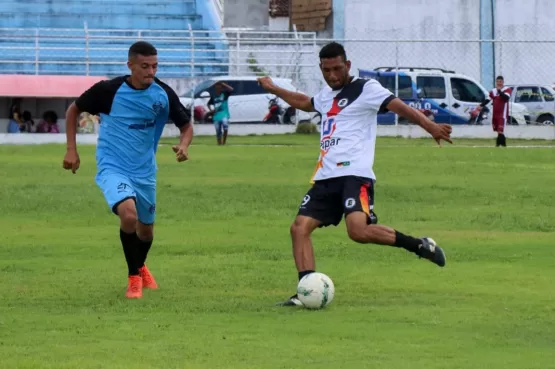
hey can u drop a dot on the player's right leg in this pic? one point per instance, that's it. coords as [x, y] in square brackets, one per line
[225, 126]
[320, 207]
[120, 196]
[146, 211]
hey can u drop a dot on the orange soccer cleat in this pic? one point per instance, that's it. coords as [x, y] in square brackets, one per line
[147, 278]
[134, 287]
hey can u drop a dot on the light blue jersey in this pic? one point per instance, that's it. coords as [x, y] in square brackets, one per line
[131, 124]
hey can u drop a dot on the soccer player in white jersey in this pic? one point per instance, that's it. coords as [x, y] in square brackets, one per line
[343, 182]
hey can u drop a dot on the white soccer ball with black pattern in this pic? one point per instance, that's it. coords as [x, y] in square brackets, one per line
[315, 290]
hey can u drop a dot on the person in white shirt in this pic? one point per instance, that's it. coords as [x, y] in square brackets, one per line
[343, 180]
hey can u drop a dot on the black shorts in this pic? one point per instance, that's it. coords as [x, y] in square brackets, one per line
[329, 199]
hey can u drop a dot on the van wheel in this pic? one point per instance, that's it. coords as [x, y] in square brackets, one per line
[513, 122]
[546, 119]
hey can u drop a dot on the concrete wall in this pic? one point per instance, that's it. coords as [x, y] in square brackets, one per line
[246, 13]
[421, 19]
[531, 20]
[525, 20]
[412, 19]
[523, 62]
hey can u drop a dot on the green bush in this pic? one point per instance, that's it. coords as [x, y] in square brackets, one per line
[306, 128]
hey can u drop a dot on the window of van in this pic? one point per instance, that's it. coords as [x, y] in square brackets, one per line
[547, 95]
[432, 87]
[252, 88]
[405, 85]
[528, 94]
[466, 91]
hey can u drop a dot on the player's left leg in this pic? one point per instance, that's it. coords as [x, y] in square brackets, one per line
[218, 126]
[502, 132]
[362, 227]
[320, 207]
[121, 197]
[225, 126]
[499, 128]
[146, 214]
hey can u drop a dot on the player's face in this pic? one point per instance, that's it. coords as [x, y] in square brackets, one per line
[143, 68]
[335, 71]
[499, 83]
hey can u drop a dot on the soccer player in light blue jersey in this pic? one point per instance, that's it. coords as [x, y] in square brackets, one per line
[133, 111]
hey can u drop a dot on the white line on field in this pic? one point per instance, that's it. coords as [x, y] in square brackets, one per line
[390, 146]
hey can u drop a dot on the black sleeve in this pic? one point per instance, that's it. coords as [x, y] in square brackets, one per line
[211, 101]
[99, 98]
[178, 113]
[383, 107]
[227, 93]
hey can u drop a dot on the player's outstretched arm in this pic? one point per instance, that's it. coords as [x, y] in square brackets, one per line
[437, 131]
[71, 159]
[295, 99]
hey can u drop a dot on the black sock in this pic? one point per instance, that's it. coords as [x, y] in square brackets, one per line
[498, 142]
[130, 243]
[306, 272]
[144, 247]
[503, 140]
[407, 242]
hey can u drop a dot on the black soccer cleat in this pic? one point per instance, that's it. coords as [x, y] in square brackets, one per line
[431, 251]
[291, 301]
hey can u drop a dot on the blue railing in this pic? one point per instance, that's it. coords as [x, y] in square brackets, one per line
[87, 51]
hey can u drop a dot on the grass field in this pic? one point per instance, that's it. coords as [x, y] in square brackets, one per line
[222, 257]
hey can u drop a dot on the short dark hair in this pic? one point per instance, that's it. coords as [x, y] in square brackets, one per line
[333, 50]
[142, 48]
[499, 78]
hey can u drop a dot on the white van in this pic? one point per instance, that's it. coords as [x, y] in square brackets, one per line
[450, 96]
[249, 101]
[538, 99]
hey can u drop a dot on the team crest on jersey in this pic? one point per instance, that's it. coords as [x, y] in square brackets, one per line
[343, 103]
[157, 107]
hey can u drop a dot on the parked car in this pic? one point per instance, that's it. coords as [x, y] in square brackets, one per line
[538, 99]
[451, 97]
[249, 103]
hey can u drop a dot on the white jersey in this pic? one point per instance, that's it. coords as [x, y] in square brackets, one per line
[348, 128]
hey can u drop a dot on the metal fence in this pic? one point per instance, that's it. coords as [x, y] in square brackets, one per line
[189, 57]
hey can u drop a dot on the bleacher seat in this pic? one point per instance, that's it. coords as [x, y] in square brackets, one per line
[65, 47]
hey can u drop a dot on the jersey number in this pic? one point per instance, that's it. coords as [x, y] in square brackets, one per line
[327, 126]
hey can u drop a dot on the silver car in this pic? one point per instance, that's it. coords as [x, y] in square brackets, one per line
[538, 99]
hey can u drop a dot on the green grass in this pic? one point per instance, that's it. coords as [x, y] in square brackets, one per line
[222, 257]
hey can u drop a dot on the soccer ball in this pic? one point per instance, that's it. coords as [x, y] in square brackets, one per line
[315, 290]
